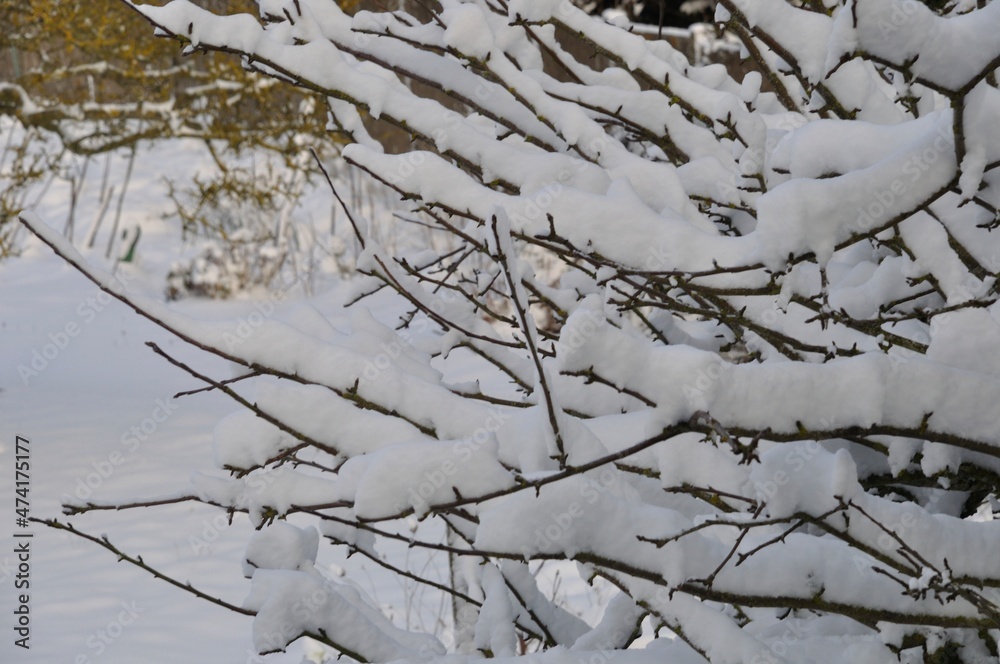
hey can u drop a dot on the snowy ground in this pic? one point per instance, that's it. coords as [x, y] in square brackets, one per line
[78, 408]
[75, 413]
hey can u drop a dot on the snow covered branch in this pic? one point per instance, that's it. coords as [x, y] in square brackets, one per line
[730, 345]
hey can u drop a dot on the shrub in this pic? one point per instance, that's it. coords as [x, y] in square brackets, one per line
[762, 404]
[76, 89]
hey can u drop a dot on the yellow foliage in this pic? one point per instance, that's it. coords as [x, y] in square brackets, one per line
[92, 74]
[97, 61]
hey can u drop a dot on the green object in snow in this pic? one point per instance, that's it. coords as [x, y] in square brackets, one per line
[130, 254]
